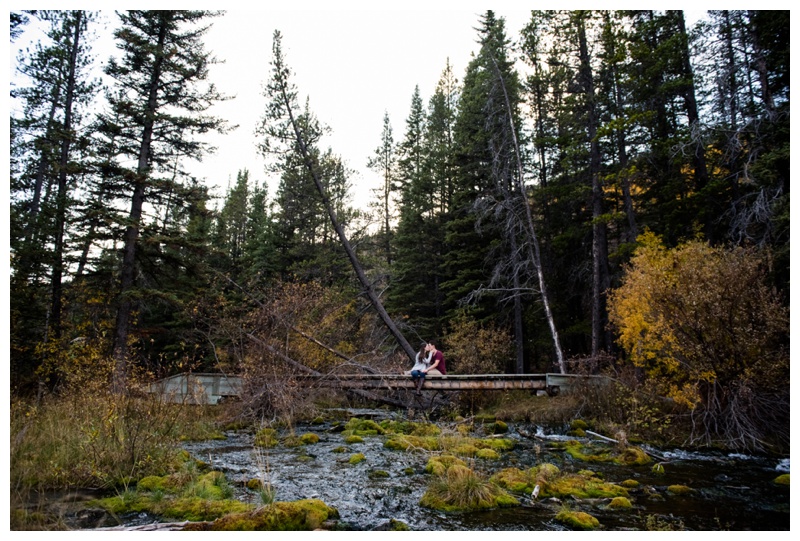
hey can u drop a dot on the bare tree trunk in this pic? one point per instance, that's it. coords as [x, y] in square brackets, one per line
[534, 241]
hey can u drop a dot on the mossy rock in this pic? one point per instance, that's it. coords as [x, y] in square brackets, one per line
[363, 427]
[514, 479]
[409, 471]
[351, 439]
[266, 437]
[498, 444]
[438, 465]
[545, 472]
[190, 507]
[578, 519]
[630, 483]
[679, 490]
[404, 442]
[634, 456]
[292, 441]
[658, 469]
[426, 429]
[629, 456]
[201, 509]
[255, 484]
[782, 479]
[620, 503]
[309, 439]
[398, 526]
[378, 474]
[578, 424]
[581, 487]
[391, 426]
[301, 515]
[498, 427]
[487, 454]
[578, 433]
[357, 458]
[465, 449]
[465, 429]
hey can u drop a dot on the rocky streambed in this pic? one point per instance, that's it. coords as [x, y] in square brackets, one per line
[383, 486]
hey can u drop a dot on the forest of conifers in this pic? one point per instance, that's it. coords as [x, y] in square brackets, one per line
[605, 189]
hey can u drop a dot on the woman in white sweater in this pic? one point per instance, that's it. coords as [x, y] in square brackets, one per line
[422, 361]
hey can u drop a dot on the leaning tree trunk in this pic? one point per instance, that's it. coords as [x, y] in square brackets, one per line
[362, 277]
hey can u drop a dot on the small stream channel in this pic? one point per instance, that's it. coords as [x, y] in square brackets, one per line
[730, 491]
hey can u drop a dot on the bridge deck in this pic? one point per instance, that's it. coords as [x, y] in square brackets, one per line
[209, 388]
[448, 382]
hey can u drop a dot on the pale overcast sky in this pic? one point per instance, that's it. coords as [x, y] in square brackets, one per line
[354, 60]
[353, 65]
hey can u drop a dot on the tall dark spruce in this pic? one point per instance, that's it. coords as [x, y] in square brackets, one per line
[163, 72]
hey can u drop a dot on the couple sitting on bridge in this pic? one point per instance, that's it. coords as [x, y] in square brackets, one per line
[429, 360]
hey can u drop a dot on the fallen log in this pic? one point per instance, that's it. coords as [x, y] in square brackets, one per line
[612, 440]
[151, 527]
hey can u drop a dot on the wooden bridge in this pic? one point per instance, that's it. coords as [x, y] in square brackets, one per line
[205, 388]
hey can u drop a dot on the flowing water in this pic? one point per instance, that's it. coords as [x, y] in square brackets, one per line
[730, 491]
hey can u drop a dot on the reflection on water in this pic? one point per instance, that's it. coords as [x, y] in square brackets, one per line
[731, 491]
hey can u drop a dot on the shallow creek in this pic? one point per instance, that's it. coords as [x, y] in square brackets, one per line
[730, 491]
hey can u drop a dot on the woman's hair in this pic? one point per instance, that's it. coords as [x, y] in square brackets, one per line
[422, 349]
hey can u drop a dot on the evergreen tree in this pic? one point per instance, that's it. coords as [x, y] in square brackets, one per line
[163, 70]
[383, 163]
[48, 162]
[486, 229]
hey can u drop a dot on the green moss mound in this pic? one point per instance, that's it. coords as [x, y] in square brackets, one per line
[351, 439]
[180, 496]
[553, 484]
[630, 456]
[406, 442]
[438, 465]
[782, 479]
[357, 458]
[578, 424]
[302, 515]
[363, 427]
[620, 503]
[523, 482]
[679, 490]
[581, 486]
[398, 526]
[266, 437]
[487, 454]
[578, 519]
[255, 484]
[309, 439]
